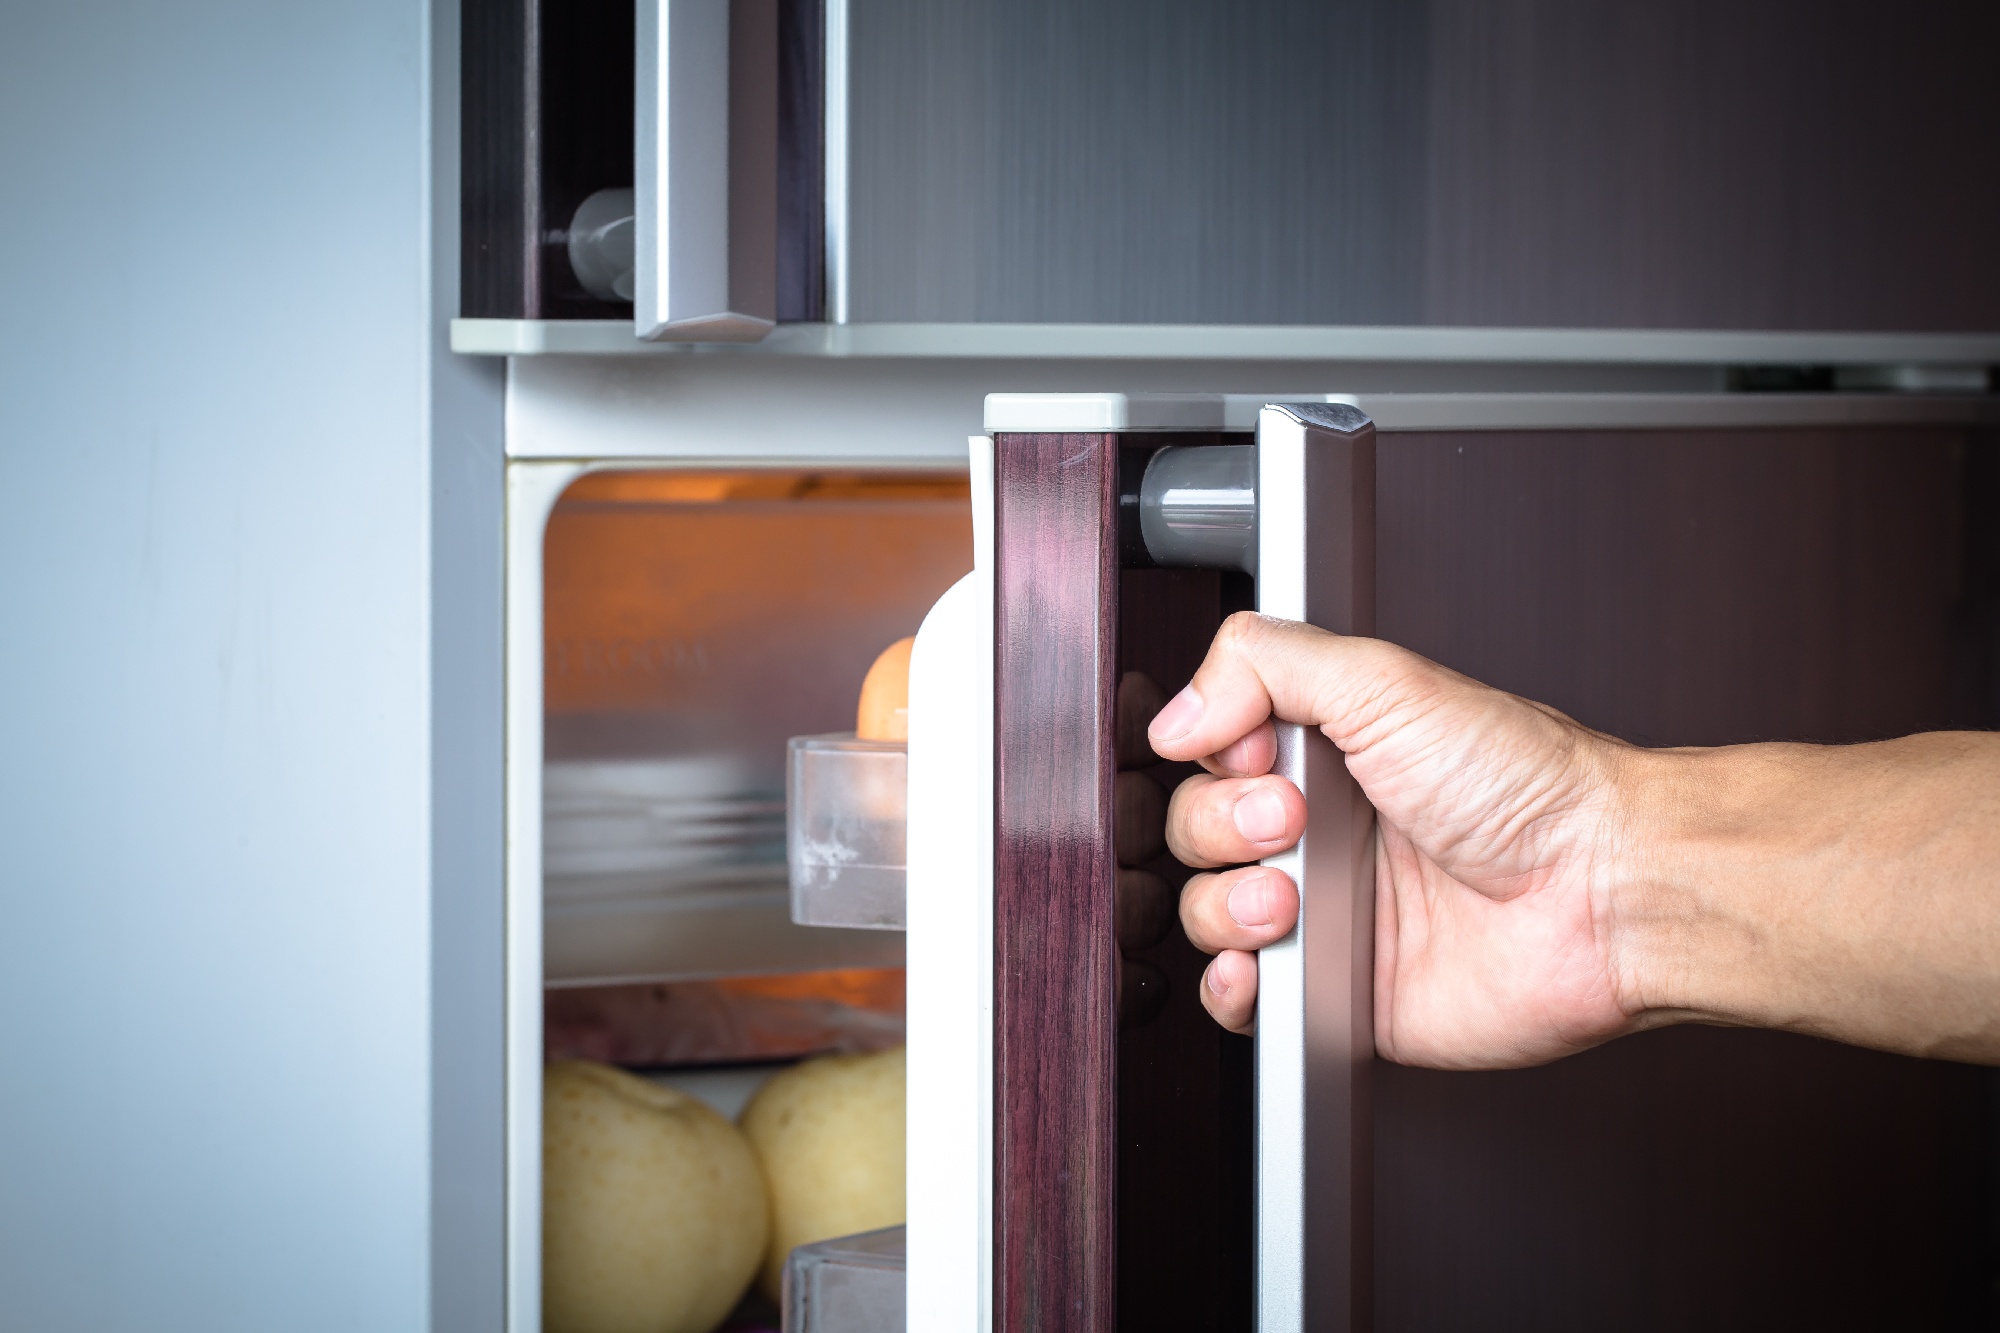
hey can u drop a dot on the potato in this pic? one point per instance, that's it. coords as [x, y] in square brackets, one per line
[653, 1214]
[829, 1135]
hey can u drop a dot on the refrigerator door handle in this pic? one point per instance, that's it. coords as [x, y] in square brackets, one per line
[1315, 1021]
[705, 170]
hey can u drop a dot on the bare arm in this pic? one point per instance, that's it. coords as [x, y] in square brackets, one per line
[1848, 891]
[1542, 888]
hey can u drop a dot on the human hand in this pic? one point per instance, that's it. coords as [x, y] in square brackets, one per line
[1500, 840]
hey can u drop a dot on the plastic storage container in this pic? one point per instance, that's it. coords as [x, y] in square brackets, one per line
[854, 1284]
[845, 821]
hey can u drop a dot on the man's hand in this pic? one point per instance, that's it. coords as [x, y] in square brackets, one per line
[1540, 888]
[1495, 937]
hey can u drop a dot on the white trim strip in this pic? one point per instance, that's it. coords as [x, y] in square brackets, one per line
[532, 489]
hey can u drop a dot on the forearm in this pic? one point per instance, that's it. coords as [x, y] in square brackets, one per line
[1847, 891]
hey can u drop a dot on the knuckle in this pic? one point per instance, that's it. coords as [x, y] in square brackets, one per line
[1195, 912]
[1190, 820]
[1238, 626]
[1244, 632]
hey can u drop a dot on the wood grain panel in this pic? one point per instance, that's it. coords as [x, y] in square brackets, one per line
[1055, 1024]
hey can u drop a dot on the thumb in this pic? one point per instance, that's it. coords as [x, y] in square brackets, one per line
[1259, 667]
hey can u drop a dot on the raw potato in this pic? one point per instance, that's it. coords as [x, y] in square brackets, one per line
[884, 711]
[653, 1214]
[829, 1135]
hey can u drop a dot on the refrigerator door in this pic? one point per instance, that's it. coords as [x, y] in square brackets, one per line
[1121, 1115]
[1682, 569]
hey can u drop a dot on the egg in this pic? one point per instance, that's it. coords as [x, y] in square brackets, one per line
[654, 1217]
[884, 712]
[829, 1136]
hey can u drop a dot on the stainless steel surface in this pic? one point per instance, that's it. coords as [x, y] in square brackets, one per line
[834, 173]
[1198, 506]
[853, 1284]
[1127, 161]
[1783, 165]
[1315, 1026]
[601, 245]
[1344, 345]
[705, 170]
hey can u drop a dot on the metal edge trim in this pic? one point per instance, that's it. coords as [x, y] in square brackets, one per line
[1231, 342]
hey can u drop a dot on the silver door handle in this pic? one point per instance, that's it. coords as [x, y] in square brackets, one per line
[705, 170]
[1198, 506]
[1315, 988]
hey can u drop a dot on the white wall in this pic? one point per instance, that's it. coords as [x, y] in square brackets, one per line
[220, 401]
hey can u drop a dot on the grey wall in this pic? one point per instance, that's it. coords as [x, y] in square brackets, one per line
[243, 587]
[1753, 164]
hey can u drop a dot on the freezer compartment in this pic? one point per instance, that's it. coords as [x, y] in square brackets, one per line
[694, 622]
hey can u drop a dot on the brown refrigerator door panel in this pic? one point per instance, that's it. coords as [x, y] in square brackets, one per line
[1054, 880]
[1126, 1135]
[1122, 1122]
[1693, 585]
[1683, 588]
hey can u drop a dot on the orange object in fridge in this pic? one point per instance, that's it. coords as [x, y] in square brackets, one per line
[884, 714]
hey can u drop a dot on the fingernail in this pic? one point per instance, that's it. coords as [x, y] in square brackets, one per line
[1212, 978]
[1260, 816]
[1249, 903]
[1177, 719]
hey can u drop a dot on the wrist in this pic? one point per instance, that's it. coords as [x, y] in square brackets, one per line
[1716, 892]
[1671, 813]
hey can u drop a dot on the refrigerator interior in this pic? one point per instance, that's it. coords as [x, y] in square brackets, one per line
[694, 619]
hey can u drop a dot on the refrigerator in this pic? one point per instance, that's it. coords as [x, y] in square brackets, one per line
[1636, 363]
